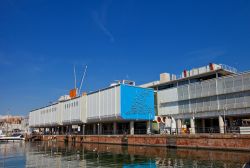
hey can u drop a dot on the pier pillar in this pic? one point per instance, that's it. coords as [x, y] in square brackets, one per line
[211, 122]
[99, 128]
[70, 129]
[132, 129]
[203, 124]
[83, 129]
[67, 130]
[149, 127]
[192, 126]
[221, 125]
[64, 130]
[57, 130]
[114, 128]
[61, 130]
[179, 126]
[94, 129]
[230, 121]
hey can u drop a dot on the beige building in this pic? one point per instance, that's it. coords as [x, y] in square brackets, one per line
[10, 124]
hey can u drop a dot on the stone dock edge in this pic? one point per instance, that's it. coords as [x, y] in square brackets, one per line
[198, 141]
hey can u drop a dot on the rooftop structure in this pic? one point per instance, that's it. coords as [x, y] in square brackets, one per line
[195, 74]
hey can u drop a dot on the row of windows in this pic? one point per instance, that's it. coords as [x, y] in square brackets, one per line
[48, 110]
[71, 105]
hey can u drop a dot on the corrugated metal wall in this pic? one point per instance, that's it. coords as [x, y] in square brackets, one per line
[168, 101]
[71, 111]
[58, 114]
[137, 104]
[83, 108]
[104, 104]
[45, 116]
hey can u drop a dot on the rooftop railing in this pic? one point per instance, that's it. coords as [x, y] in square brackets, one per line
[228, 68]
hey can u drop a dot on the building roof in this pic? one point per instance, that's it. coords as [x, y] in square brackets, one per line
[224, 70]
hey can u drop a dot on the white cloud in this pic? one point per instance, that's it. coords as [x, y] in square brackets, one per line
[100, 19]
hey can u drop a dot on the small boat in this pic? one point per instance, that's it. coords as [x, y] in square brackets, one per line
[2, 135]
[12, 137]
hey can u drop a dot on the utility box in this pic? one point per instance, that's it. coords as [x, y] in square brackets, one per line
[164, 77]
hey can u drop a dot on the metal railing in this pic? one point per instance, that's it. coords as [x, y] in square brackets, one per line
[228, 68]
[223, 85]
[210, 130]
[207, 129]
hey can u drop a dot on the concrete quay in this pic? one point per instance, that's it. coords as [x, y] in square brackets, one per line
[197, 141]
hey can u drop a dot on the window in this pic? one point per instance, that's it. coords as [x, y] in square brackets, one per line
[167, 86]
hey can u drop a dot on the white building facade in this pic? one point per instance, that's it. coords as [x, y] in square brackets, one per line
[213, 98]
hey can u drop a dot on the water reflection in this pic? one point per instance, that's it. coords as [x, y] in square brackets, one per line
[52, 154]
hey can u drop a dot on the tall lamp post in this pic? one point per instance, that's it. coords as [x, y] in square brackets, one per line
[98, 128]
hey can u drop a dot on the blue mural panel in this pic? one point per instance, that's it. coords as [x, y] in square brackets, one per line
[137, 103]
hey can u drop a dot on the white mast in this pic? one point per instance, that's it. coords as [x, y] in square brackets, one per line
[75, 75]
[82, 79]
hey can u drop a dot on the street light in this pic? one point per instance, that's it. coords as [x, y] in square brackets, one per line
[98, 128]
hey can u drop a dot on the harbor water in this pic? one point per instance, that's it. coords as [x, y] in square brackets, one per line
[57, 154]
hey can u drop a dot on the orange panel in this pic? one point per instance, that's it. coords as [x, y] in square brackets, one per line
[72, 93]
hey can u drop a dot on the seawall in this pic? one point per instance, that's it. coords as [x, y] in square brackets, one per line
[205, 141]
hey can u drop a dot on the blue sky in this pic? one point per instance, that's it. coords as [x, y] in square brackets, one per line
[41, 40]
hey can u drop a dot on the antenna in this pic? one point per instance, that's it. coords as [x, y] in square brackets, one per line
[75, 75]
[82, 79]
